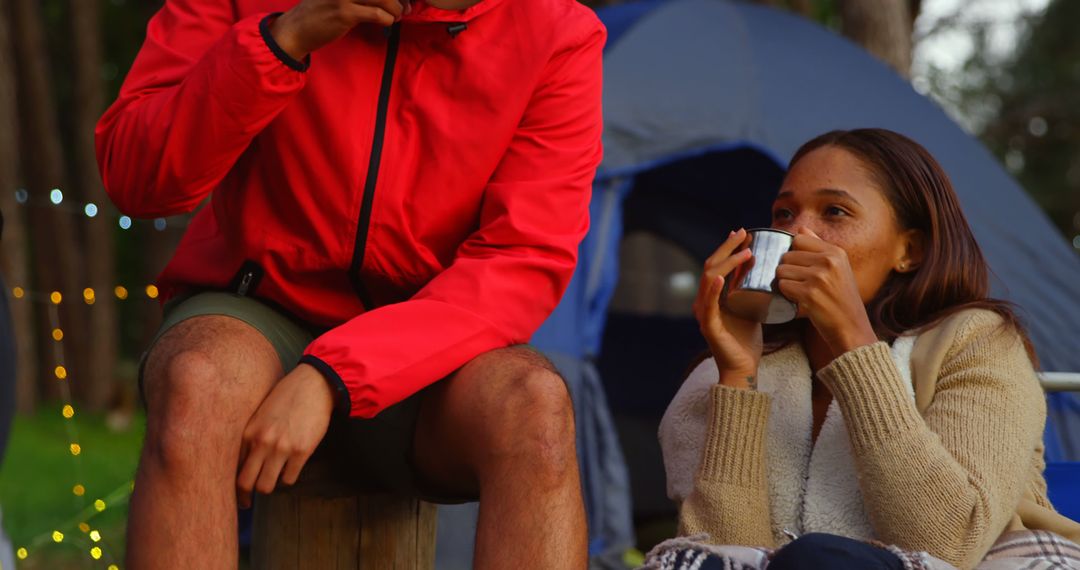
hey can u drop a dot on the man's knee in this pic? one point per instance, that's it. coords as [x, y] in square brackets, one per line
[184, 410]
[531, 420]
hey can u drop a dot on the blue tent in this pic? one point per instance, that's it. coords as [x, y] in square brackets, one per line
[705, 102]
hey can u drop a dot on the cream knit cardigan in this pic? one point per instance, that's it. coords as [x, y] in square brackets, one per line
[933, 445]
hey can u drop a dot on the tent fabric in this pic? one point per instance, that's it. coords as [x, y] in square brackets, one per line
[694, 74]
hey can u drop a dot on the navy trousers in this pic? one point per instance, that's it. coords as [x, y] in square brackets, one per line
[815, 551]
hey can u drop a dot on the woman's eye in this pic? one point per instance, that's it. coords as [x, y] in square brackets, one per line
[781, 214]
[835, 211]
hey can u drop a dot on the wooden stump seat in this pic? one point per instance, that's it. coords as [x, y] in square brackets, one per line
[322, 523]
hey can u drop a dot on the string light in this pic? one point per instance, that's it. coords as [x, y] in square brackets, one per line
[117, 496]
[160, 224]
[56, 196]
[125, 223]
[21, 195]
[89, 296]
[90, 210]
[54, 299]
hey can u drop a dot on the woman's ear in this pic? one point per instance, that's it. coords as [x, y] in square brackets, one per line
[912, 248]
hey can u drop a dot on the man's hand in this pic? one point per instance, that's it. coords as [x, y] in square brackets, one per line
[311, 24]
[284, 432]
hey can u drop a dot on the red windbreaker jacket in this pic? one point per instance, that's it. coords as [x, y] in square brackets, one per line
[419, 191]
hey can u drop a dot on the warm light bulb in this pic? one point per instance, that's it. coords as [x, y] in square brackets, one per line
[99, 505]
[56, 297]
[76, 449]
[84, 527]
[79, 491]
[113, 567]
[61, 372]
[95, 536]
[95, 552]
[18, 292]
[121, 292]
[58, 335]
[152, 291]
[57, 536]
[22, 553]
[88, 296]
[68, 411]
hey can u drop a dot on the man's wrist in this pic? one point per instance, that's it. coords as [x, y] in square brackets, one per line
[282, 40]
[336, 390]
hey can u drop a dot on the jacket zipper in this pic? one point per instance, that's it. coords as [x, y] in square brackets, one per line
[245, 283]
[364, 223]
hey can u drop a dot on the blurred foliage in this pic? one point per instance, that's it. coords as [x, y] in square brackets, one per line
[1036, 127]
[1023, 104]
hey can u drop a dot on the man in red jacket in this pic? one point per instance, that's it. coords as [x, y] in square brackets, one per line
[397, 193]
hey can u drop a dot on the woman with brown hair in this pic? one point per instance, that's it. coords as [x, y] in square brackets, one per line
[900, 408]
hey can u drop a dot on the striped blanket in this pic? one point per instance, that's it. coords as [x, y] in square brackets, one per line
[1020, 550]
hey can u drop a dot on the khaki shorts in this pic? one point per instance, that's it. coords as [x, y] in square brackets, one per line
[375, 454]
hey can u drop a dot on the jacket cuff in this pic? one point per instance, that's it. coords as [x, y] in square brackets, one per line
[735, 445]
[282, 55]
[342, 402]
[871, 394]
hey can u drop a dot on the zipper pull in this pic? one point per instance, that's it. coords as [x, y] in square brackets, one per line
[245, 283]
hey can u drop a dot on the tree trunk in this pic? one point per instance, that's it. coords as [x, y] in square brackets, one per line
[13, 254]
[884, 28]
[157, 249]
[100, 376]
[56, 259]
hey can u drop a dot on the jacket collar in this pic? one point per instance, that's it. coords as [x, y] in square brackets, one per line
[423, 12]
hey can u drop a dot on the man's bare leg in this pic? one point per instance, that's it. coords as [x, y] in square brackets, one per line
[203, 380]
[503, 426]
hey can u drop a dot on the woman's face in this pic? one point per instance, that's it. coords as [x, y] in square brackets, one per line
[831, 192]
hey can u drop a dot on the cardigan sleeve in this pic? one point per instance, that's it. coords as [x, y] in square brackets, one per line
[946, 481]
[730, 500]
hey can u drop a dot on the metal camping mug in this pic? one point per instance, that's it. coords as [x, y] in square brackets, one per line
[751, 292]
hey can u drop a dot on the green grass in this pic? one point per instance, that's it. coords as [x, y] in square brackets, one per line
[37, 480]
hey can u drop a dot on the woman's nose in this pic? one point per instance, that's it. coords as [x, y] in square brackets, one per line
[802, 221]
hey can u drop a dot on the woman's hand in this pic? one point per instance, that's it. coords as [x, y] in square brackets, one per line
[735, 342]
[816, 275]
